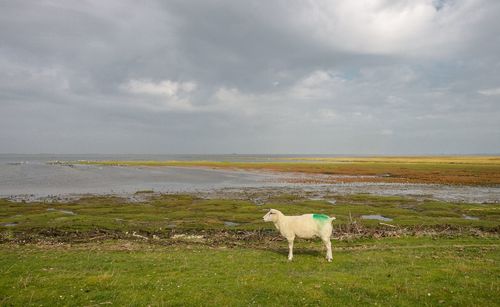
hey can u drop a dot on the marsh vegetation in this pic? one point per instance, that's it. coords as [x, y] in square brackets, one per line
[191, 250]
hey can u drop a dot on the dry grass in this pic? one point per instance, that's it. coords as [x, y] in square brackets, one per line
[490, 160]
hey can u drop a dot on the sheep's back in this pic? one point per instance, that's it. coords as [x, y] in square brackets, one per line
[304, 226]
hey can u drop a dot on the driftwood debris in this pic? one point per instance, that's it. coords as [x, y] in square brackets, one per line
[385, 224]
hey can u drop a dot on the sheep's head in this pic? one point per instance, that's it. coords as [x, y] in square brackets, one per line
[272, 215]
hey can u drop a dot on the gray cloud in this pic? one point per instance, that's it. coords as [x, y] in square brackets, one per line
[251, 77]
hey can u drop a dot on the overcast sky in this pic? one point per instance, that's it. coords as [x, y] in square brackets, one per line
[337, 77]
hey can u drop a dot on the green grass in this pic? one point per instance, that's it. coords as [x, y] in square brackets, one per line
[423, 272]
[187, 212]
[86, 253]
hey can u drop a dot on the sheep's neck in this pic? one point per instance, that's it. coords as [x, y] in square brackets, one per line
[278, 224]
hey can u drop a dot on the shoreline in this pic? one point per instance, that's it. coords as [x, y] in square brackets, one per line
[439, 192]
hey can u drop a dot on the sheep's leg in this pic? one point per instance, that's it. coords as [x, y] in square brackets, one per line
[290, 249]
[328, 245]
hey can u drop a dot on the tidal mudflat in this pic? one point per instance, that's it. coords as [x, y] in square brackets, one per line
[46, 177]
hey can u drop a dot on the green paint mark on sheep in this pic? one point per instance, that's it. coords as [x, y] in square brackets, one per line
[322, 218]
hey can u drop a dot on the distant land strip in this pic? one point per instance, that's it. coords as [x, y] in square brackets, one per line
[459, 170]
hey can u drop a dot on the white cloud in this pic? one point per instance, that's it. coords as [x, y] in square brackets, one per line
[389, 73]
[319, 84]
[389, 27]
[163, 88]
[25, 79]
[232, 100]
[164, 95]
[490, 92]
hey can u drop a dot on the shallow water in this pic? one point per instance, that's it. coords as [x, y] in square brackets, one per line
[30, 177]
[376, 217]
[62, 211]
[38, 178]
[471, 194]
[468, 217]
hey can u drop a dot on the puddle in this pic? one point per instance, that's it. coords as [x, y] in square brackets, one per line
[9, 224]
[231, 224]
[468, 217]
[331, 201]
[62, 211]
[376, 217]
[259, 201]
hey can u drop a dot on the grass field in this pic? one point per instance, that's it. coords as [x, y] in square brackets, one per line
[474, 170]
[423, 272]
[181, 250]
[160, 213]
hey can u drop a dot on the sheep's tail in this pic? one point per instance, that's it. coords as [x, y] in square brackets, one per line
[332, 218]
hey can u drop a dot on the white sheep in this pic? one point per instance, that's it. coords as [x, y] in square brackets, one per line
[303, 226]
